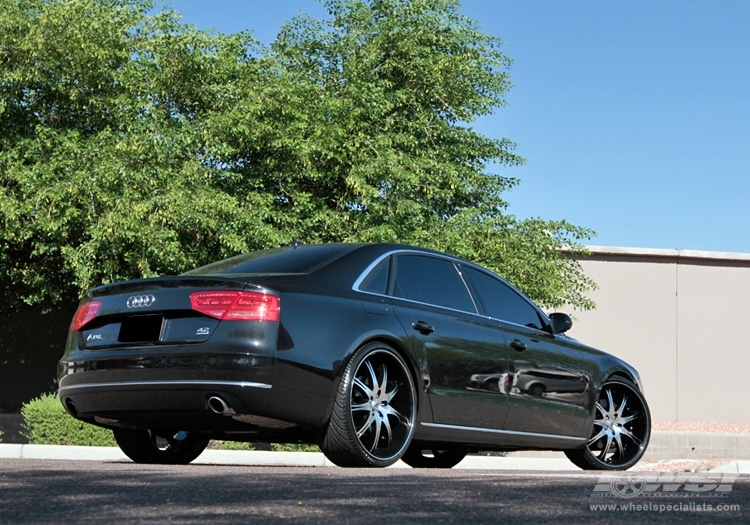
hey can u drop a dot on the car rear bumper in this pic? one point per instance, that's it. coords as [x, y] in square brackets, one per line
[187, 391]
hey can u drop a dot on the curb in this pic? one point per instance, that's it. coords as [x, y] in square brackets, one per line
[261, 458]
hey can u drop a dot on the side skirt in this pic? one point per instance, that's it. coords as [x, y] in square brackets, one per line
[489, 438]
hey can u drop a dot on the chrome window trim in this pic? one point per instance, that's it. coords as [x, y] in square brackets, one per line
[367, 271]
[456, 265]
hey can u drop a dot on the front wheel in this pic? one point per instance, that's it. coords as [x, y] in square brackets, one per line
[622, 428]
[373, 416]
[418, 456]
[149, 446]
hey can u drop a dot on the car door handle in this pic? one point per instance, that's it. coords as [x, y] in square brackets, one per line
[423, 327]
[518, 345]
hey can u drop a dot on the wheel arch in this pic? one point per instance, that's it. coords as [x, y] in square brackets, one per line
[622, 375]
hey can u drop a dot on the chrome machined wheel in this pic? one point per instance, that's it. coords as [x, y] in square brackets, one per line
[373, 418]
[622, 428]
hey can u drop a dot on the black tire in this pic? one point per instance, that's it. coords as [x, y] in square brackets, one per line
[622, 429]
[148, 446]
[372, 421]
[418, 456]
[536, 390]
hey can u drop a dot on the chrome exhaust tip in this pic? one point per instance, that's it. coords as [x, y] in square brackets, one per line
[217, 405]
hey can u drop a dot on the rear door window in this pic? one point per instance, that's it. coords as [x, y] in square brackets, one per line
[431, 280]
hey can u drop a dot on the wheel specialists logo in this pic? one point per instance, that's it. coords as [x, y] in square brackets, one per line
[646, 492]
[664, 485]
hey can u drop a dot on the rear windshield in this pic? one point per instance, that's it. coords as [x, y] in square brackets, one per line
[299, 259]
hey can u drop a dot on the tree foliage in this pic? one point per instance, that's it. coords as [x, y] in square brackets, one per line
[132, 145]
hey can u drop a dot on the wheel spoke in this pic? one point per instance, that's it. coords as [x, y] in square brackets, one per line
[382, 385]
[373, 375]
[366, 426]
[632, 437]
[601, 434]
[365, 389]
[376, 438]
[390, 395]
[611, 402]
[362, 407]
[386, 425]
[620, 451]
[605, 450]
[621, 410]
[399, 416]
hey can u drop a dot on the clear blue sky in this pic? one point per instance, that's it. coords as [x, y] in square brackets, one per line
[634, 116]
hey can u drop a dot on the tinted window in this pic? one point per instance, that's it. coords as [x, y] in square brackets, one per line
[377, 280]
[502, 301]
[432, 281]
[300, 259]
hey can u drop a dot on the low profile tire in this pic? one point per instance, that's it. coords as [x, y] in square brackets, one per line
[622, 428]
[418, 456]
[148, 446]
[372, 421]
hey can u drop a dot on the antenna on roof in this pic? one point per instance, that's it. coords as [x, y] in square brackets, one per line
[296, 243]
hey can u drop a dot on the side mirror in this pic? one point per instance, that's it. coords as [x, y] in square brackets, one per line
[560, 323]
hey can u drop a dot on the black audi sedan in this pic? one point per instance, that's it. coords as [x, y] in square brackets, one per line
[375, 352]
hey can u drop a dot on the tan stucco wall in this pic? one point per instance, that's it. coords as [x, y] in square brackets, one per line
[679, 317]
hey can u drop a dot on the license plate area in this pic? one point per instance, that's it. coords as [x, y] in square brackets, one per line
[141, 329]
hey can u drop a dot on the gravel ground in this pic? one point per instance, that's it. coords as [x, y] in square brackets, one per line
[702, 426]
[691, 465]
[679, 465]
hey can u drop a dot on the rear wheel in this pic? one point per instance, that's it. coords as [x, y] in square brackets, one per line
[622, 428]
[149, 446]
[418, 456]
[373, 416]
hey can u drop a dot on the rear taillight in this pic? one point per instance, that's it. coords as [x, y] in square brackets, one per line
[236, 306]
[86, 312]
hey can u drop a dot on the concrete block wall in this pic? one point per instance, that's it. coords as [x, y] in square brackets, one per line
[679, 317]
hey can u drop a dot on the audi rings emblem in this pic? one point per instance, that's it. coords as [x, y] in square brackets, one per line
[140, 301]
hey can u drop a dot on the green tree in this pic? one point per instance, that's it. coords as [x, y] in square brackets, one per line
[132, 145]
[102, 147]
[375, 142]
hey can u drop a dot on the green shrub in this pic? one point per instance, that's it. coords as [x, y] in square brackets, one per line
[47, 423]
[294, 447]
[236, 445]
